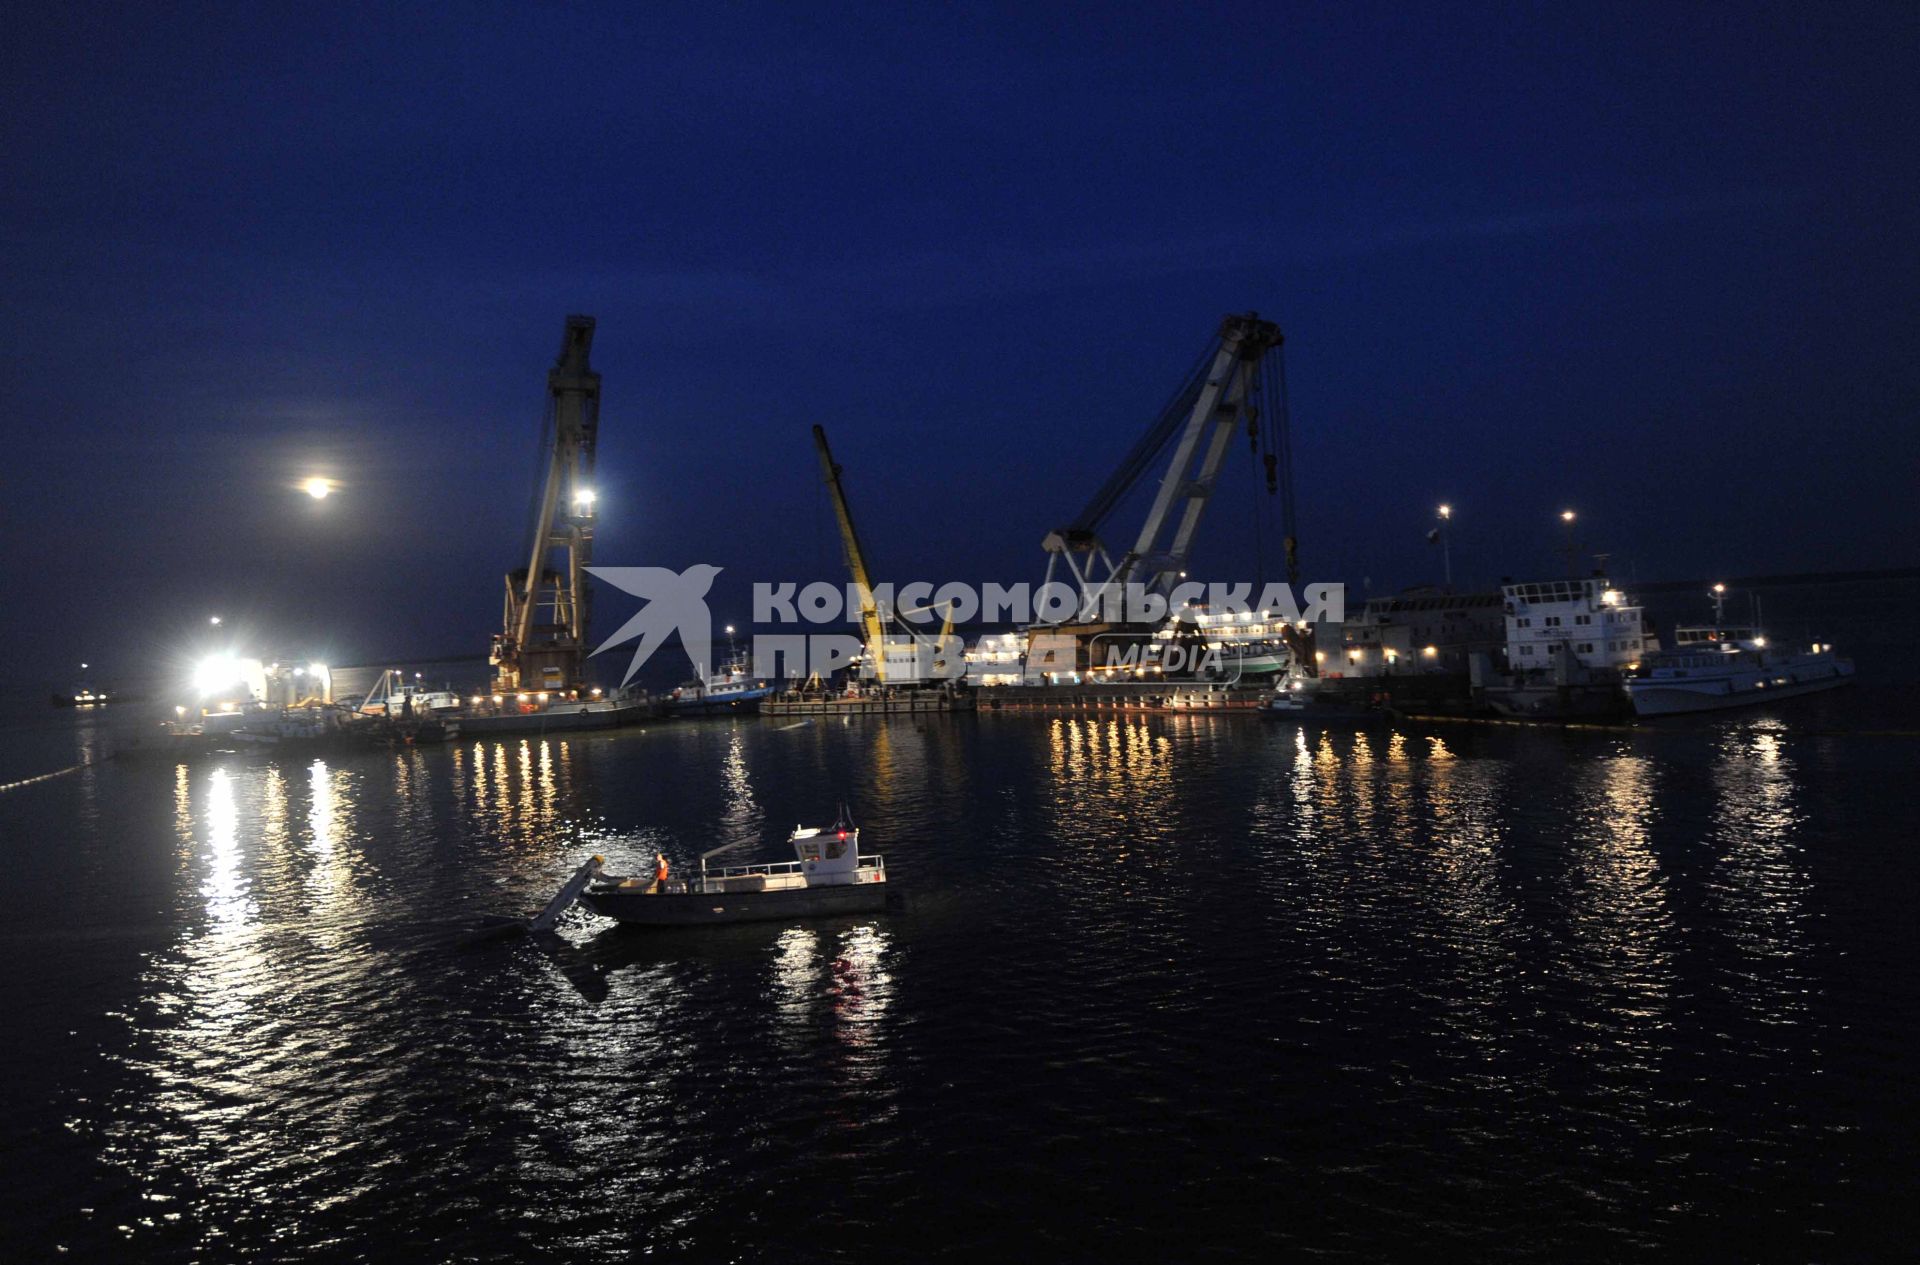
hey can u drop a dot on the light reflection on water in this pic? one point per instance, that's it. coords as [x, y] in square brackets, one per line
[1441, 961]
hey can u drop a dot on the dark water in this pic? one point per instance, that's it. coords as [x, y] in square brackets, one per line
[1174, 988]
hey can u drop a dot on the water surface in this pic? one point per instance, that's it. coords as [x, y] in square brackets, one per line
[1190, 987]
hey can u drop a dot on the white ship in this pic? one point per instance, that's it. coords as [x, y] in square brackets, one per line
[1570, 644]
[1716, 666]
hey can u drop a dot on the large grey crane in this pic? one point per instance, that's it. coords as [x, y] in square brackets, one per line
[1230, 386]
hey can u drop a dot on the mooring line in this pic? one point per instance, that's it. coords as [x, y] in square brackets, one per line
[44, 777]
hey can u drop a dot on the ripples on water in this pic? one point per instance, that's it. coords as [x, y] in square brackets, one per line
[1185, 987]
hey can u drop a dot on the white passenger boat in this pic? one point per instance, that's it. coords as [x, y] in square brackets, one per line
[827, 876]
[1714, 666]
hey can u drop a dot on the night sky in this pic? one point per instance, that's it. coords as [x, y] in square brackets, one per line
[1657, 264]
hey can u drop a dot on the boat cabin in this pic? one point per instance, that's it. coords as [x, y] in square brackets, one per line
[1587, 620]
[1705, 636]
[824, 856]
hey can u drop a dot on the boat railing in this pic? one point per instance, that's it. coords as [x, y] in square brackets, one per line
[741, 871]
[868, 861]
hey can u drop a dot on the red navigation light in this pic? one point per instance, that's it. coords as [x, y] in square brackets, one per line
[843, 834]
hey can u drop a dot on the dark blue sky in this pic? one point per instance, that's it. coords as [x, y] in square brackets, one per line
[1658, 263]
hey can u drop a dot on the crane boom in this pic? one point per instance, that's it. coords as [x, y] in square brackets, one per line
[856, 558]
[1224, 391]
[551, 655]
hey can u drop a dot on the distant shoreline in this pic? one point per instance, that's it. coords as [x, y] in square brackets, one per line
[1777, 581]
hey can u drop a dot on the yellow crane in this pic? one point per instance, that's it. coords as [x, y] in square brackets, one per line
[856, 559]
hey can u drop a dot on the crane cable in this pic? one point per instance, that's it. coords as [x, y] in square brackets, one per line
[1279, 459]
[1147, 450]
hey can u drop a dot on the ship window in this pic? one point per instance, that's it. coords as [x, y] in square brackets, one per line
[1526, 650]
[1583, 619]
[1553, 621]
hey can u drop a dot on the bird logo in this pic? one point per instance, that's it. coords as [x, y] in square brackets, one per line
[676, 602]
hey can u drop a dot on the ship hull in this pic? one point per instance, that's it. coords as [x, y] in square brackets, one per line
[637, 907]
[1559, 702]
[745, 701]
[1662, 699]
[564, 717]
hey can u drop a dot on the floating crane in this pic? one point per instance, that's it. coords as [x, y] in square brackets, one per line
[1234, 382]
[543, 641]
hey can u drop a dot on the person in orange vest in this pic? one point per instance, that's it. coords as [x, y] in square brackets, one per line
[660, 873]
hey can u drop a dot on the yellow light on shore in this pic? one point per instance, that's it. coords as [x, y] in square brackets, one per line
[1566, 516]
[317, 488]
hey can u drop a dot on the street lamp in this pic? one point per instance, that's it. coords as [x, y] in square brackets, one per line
[1446, 543]
[214, 620]
[1566, 516]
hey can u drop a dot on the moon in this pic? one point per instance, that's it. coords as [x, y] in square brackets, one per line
[317, 488]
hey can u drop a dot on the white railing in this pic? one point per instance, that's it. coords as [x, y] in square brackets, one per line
[866, 860]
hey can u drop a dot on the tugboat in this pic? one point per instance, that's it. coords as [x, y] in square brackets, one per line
[730, 691]
[828, 876]
[1714, 666]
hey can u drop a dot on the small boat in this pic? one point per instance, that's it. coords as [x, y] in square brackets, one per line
[1300, 699]
[83, 695]
[293, 731]
[827, 876]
